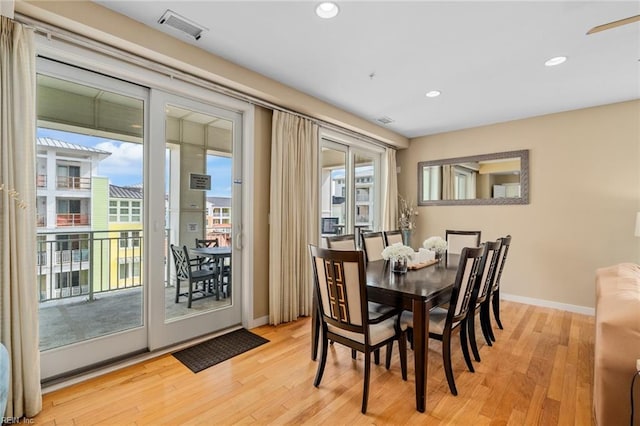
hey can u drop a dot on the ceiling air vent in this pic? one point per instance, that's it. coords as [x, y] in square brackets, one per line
[181, 23]
[385, 120]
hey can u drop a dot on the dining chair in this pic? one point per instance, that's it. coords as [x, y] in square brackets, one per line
[342, 242]
[372, 245]
[221, 266]
[481, 294]
[212, 242]
[393, 237]
[442, 322]
[341, 290]
[186, 270]
[457, 240]
[348, 242]
[505, 243]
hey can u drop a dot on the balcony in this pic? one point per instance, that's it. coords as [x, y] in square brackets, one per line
[72, 219]
[88, 289]
[70, 182]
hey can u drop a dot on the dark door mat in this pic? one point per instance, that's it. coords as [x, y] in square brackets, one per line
[211, 352]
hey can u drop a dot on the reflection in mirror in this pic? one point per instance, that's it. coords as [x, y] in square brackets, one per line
[500, 178]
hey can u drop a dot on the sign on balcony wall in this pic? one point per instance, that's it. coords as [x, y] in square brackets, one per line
[199, 182]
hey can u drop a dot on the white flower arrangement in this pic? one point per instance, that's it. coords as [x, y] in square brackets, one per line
[437, 244]
[397, 251]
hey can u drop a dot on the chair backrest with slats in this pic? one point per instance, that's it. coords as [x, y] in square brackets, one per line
[489, 266]
[372, 244]
[201, 243]
[342, 242]
[457, 240]
[181, 259]
[341, 288]
[469, 268]
[504, 249]
[393, 237]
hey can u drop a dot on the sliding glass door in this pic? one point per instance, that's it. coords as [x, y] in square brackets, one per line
[201, 152]
[90, 223]
[350, 186]
[124, 172]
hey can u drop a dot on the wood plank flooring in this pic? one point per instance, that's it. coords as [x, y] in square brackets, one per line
[539, 372]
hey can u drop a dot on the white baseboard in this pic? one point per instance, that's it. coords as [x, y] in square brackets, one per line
[549, 304]
[257, 322]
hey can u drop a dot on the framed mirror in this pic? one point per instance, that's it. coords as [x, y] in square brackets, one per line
[499, 178]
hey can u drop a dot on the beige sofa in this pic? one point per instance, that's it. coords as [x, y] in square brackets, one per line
[617, 344]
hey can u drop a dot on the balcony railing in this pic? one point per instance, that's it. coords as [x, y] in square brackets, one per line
[72, 219]
[41, 181]
[70, 182]
[87, 263]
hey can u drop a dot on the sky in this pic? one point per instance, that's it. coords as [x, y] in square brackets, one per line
[124, 166]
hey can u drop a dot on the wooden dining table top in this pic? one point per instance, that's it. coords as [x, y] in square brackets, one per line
[431, 283]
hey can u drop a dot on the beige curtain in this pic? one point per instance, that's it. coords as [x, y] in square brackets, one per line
[448, 182]
[293, 219]
[390, 192]
[18, 290]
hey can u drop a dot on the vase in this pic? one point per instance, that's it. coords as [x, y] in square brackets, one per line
[399, 266]
[406, 237]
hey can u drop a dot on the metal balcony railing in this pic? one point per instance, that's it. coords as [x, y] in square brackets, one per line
[88, 263]
[70, 182]
[72, 219]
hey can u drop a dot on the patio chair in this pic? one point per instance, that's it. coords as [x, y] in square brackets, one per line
[198, 279]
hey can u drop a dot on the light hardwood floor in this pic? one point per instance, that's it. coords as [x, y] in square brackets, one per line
[539, 372]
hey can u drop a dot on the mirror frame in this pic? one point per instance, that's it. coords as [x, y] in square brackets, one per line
[523, 155]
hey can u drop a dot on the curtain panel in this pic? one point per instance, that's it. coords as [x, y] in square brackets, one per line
[18, 290]
[390, 192]
[293, 219]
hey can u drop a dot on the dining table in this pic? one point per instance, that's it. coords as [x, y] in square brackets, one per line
[417, 290]
[218, 255]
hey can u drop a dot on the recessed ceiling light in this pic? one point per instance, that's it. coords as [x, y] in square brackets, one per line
[555, 61]
[327, 10]
[432, 94]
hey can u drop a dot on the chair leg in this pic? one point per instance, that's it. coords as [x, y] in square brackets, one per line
[367, 373]
[177, 290]
[190, 295]
[446, 361]
[471, 326]
[410, 336]
[353, 353]
[323, 360]
[389, 352]
[465, 346]
[485, 324]
[496, 307]
[402, 347]
[376, 356]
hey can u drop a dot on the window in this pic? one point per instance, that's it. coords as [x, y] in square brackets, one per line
[123, 271]
[71, 279]
[125, 211]
[129, 239]
[113, 211]
[65, 206]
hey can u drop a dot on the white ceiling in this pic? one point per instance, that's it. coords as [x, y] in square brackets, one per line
[379, 58]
